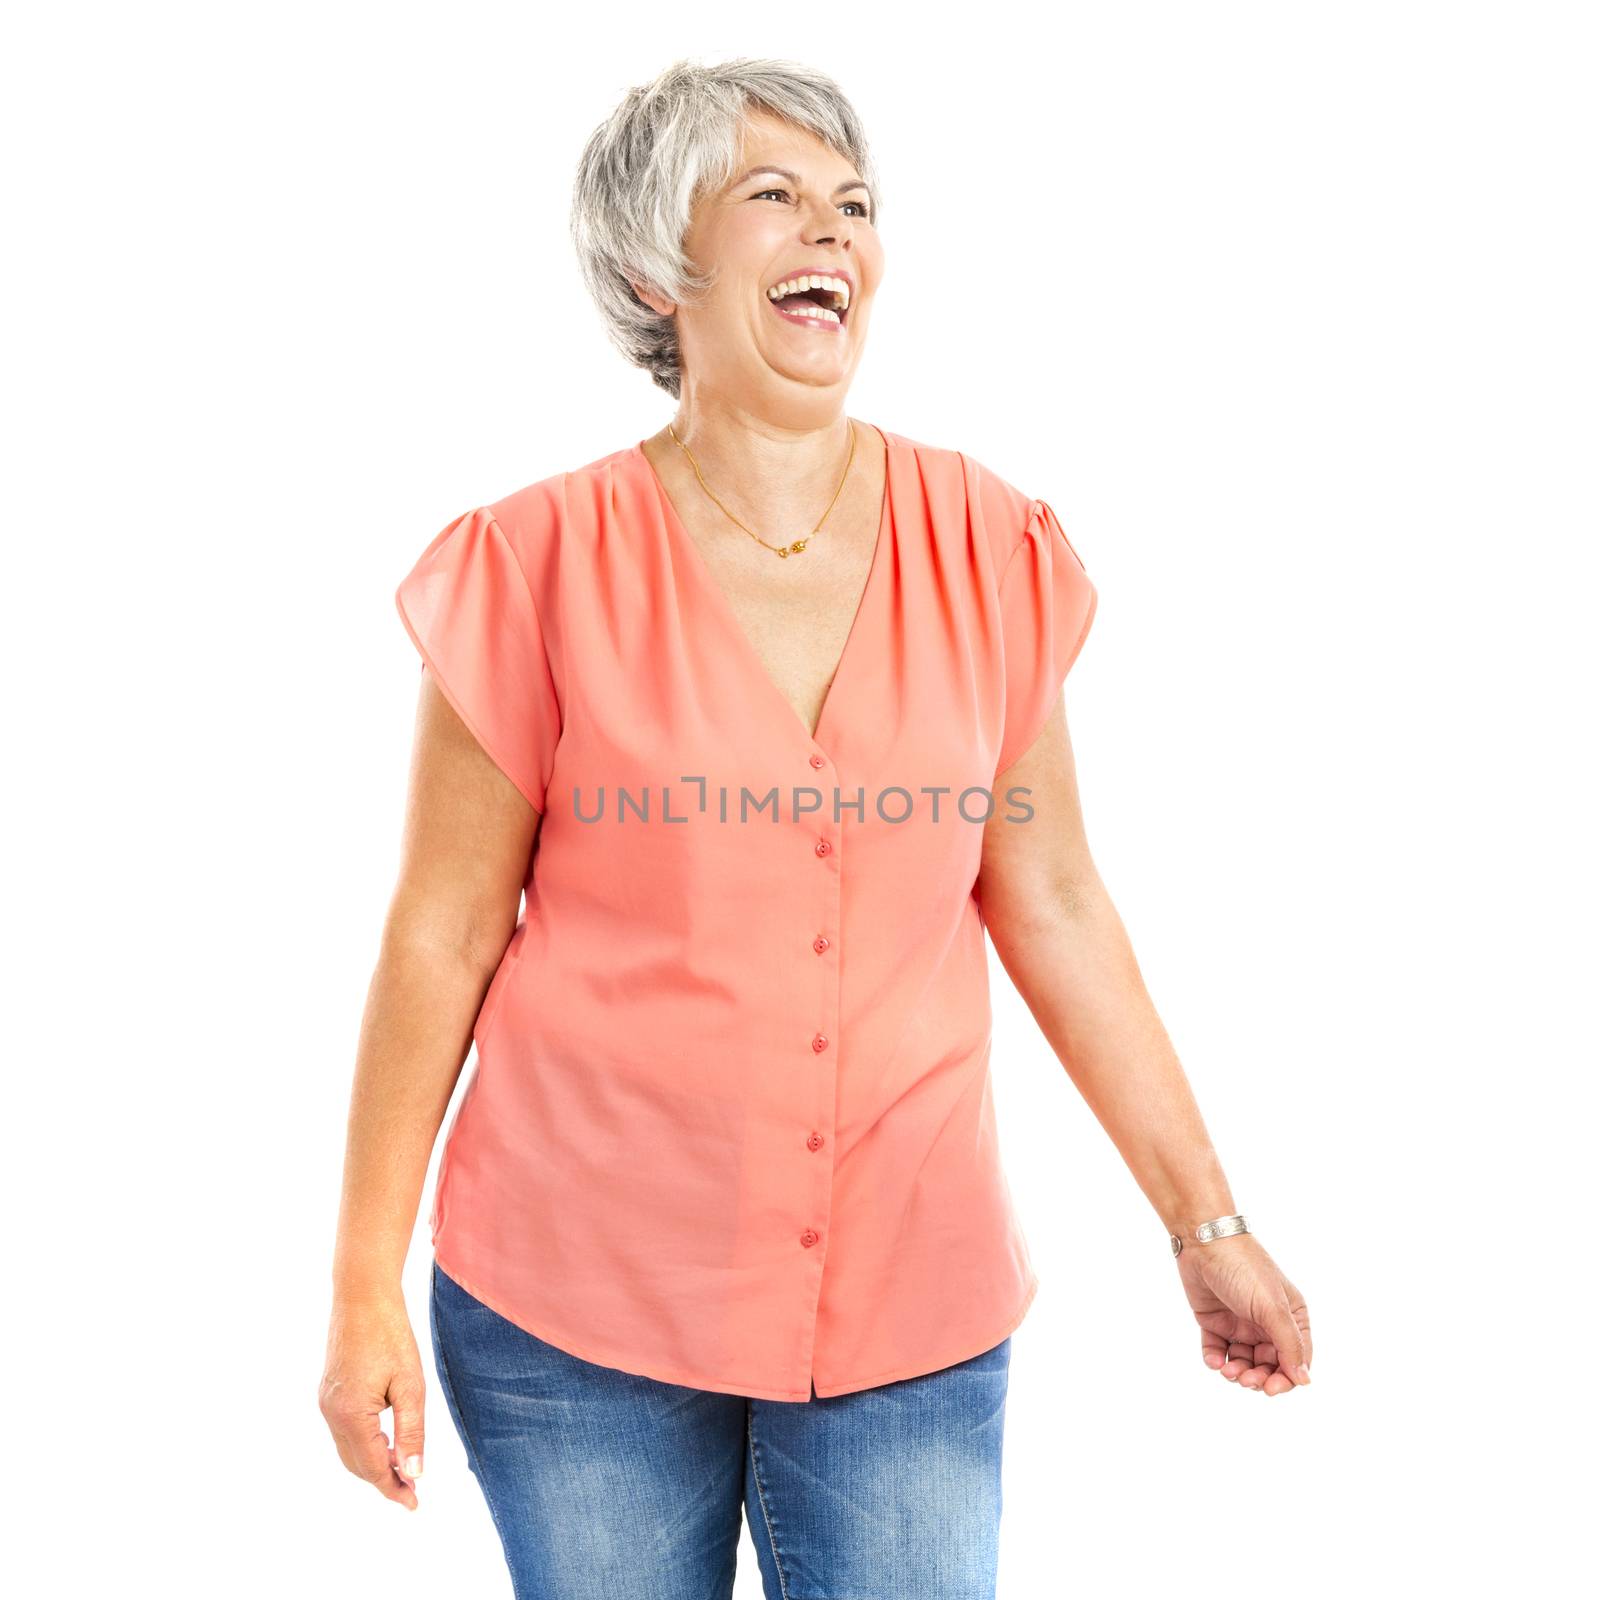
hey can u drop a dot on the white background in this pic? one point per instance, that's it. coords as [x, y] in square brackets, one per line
[1289, 310]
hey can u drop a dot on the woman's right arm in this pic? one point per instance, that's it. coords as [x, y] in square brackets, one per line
[469, 834]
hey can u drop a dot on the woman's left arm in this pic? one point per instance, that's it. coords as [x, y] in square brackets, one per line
[1063, 945]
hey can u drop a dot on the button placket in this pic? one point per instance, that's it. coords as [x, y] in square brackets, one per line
[824, 1082]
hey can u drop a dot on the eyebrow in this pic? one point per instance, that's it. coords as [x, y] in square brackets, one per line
[794, 177]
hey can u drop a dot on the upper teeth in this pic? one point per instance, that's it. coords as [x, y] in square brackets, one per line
[814, 280]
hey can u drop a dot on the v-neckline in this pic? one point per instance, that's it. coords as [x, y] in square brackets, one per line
[717, 597]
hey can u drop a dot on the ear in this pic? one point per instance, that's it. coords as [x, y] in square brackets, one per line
[657, 303]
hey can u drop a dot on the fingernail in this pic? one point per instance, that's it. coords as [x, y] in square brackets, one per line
[414, 1463]
[1305, 1373]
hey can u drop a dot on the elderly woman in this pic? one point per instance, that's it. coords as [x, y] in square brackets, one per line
[732, 743]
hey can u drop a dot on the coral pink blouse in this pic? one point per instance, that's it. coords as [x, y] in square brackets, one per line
[731, 1121]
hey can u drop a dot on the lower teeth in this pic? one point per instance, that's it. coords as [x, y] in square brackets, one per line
[808, 308]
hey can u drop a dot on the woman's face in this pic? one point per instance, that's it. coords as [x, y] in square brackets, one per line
[798, 207]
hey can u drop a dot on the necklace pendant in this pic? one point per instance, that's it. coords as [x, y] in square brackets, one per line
[783, 553]
[797, 546]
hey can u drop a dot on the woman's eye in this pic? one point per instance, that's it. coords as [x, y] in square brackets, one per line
[860, 205]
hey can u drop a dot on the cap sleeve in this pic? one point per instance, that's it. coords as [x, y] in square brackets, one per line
[470, 613]
[1046, 605]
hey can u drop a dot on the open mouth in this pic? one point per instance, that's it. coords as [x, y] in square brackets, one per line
[820, 299]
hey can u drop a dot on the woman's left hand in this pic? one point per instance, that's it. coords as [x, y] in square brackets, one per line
[1254, 1327]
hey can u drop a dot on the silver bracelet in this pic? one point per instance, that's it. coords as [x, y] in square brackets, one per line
[1218, 1228]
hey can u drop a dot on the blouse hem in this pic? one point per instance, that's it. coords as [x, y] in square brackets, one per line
[688, 1380]
[593, 1354]
[918, 1370]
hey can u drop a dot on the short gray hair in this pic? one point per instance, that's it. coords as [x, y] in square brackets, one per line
[649, 162]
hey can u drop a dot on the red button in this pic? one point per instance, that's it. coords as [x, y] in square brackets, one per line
[808, 1238]
[820, 943]
[823, 847]
[817, 761]
[814, 1142]
[820, 1043]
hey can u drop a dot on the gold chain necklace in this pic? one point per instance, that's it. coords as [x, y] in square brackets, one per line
[785, 550]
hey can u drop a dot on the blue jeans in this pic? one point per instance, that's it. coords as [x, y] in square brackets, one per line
[604, 1483]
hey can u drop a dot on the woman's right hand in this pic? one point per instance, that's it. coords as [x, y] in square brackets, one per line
[373, 1364]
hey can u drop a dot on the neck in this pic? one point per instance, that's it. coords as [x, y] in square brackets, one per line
[767, 474]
